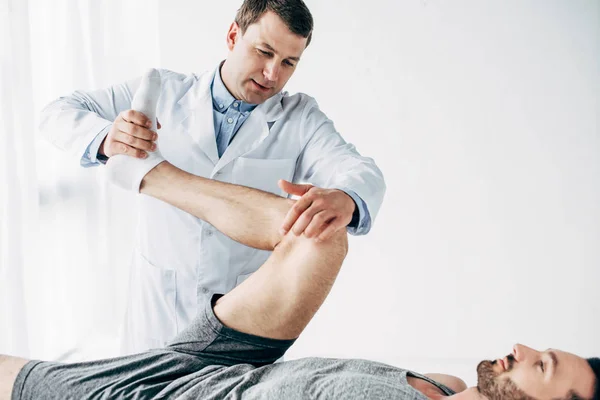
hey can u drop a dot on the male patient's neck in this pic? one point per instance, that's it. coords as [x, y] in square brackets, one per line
[471, 393]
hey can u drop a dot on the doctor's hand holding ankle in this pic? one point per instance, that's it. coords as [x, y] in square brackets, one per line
[122, 169]
[130, 135]
[319, 213]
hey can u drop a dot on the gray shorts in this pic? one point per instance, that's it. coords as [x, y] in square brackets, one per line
[200, 353]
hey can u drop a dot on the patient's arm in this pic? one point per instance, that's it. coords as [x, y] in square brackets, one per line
[249, 216]
[9, 369]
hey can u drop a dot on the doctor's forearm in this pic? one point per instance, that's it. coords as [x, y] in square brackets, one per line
[249, 216]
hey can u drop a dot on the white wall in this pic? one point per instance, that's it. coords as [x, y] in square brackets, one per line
[483, 117]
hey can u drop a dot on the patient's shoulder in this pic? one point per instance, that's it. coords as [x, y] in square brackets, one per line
[453, 382]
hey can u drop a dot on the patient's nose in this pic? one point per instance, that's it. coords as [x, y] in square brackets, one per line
[521, 352]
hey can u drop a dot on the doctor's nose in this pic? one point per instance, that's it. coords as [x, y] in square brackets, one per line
[521, 352]
[271, 72]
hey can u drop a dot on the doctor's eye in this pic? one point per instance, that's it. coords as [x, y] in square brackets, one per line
[289, 64]
[264, 53]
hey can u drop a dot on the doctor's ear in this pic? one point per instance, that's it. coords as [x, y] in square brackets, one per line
[232, 35]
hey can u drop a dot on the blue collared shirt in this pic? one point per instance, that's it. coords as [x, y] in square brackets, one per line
[228, 115]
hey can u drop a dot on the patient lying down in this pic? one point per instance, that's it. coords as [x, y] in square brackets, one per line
[229, 350]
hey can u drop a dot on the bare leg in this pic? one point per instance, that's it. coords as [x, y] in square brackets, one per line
[9, 369]
[280, 298]
[246, 215]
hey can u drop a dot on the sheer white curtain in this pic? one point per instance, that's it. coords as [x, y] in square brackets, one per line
[18, 208]
[66, 236]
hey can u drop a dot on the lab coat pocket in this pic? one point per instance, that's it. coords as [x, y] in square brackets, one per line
[263, 174]
[153, 295]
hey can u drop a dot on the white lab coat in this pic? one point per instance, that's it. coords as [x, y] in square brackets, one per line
[178, 257]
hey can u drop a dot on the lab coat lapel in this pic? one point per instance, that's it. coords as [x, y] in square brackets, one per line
[197, 118]
[253, 131]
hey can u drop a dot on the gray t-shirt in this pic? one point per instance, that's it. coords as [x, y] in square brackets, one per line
[210, 361]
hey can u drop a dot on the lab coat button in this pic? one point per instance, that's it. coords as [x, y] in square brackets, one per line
[204, 290]
[209, 233]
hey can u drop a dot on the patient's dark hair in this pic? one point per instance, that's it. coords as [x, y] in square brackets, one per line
[595, 365]
[294, 13]
[574, 396]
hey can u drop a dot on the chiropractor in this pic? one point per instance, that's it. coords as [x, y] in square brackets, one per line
[232, 124]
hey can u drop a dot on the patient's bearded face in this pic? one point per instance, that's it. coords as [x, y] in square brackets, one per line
[493, 385]
[529, 374]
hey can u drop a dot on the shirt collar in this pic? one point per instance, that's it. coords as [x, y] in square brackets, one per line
[221, 97]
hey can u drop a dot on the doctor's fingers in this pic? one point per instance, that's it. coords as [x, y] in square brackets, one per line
[320, 221]
[333, 226]
[296, 211]
[116, 147]
[130, 140]
[137, 131]
[305, 219]
[135, 117]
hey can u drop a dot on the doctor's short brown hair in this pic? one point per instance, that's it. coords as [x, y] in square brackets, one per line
[294, 13]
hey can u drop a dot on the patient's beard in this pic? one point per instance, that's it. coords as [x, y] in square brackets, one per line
[490, 385]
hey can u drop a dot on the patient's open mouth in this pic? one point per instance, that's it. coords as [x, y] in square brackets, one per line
[502, 364]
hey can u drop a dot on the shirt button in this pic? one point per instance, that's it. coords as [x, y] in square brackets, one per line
[204, 290]
[230, 120]
[209, 232]
[236, 104]
[221, 106]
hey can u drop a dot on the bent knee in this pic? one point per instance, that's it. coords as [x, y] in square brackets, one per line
[336, 246]
[339, 241]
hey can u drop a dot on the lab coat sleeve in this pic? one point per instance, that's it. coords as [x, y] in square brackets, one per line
[78, 123]
[361, 219]
[328, 161]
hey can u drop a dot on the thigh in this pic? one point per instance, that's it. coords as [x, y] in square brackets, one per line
[279, 299]
[9, 369]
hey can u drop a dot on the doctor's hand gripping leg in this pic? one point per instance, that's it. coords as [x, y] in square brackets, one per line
[126, 171]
